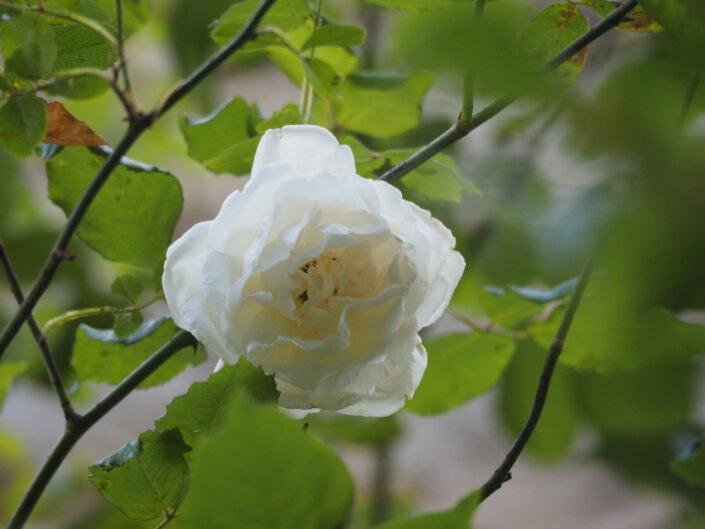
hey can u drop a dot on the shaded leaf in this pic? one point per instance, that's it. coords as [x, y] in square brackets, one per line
[691, 465]
[333, 35]
[459, 517]
[23, 124]
[201, 409]
[145, 478]
[29, 46]
[460, 367]
[236, 159]
[261, 497]
[132, 218]
[539, 295]
[126, 323]
[99, 355]
[8, 371]
[506, 308]
[65, 129]
[367, 162]
[382, 105]
[127, 286]
[552, 30]
[684, 19]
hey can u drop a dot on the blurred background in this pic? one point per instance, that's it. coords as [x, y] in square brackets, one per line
[618, 156]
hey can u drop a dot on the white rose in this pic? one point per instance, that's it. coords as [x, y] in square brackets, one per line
[321, 277]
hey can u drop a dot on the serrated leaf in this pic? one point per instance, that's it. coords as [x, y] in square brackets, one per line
[81, 47]
[334, 35]
[23, 124]
[555, 432]
[460, 367]
[539, 295]
[132, 219]
[126, 323]
[228, 125]
[99, 355]
[284, 14]
[64, 129]
[382, 105]
[261, 497]
[202, 408]
[145, 478]
[553, 29]
[459, 517]
[8, 371]
[127, 286]
[28, 46]
[691, 465]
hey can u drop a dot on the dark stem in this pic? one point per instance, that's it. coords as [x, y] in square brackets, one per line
[52, 369]
[502, 473]
[121, 48]
[379, 510]
[135, 129]
[83, 423]
[462, 127]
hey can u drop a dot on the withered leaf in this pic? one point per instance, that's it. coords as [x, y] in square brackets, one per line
[65, 129]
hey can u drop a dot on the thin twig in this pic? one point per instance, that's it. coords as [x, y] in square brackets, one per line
[462, 127]
[502, 473]
[52, 369]
[120, 47]
[469, 82]
[66, 75]
[73, 17]
[85, 422]
[379, 510]
[134, 131]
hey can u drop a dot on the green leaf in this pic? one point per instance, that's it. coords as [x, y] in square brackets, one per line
[333, 35]
[29, 46]
[81, 87]
[99, 355]
[145, 478]
[382, 105]
[322, 77]
[647, 401]
[637, 20]
[127, 286]
[287, 115]
[367, 162]
[132, 219]
[8, 371]
[460, 367]
[691, 466]
[459, 517]
[556, 430]
[684, 19]
[197, 412]
[134, 13]
[364, 431]
[127, 323]
[437, 179]
[414, 5]
[284, 14]
[506, 308]
[80, 47]
[539, 295]
[605, 340]
[23, 124]
[552, 30]
[300, 482]
[236, 159]
[230, 124]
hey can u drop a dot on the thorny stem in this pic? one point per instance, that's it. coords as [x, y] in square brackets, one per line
[134, 131]
[84, 422]
[462, 127]
[502, 473]
[73, 17]
[52, 369]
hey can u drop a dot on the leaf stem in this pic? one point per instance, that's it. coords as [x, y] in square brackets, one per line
[84, 422]
[469, 81]
[73, 17]
[503, 471]
[135, 129]
[120, 47]
[52, 369]
[66, 75]
[462, 127]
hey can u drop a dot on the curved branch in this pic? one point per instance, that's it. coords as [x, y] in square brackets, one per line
[75, 431]
[135, 129]
[463, 127]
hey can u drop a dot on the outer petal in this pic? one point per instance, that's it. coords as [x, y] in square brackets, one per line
[181, 282]
[307, 149]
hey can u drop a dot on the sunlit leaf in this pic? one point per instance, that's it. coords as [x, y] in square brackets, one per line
[23, 124]
[81, 47]
[261, 496]
[460, 367]
[99, 355]
[333, 35]
[132, 218]
[127, 286]
[144, 478]
[284, 14]
[202, 409]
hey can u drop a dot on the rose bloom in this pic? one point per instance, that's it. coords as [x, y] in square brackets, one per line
[321, 277]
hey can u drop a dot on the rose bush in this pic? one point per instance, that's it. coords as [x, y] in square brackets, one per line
[321, 277]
